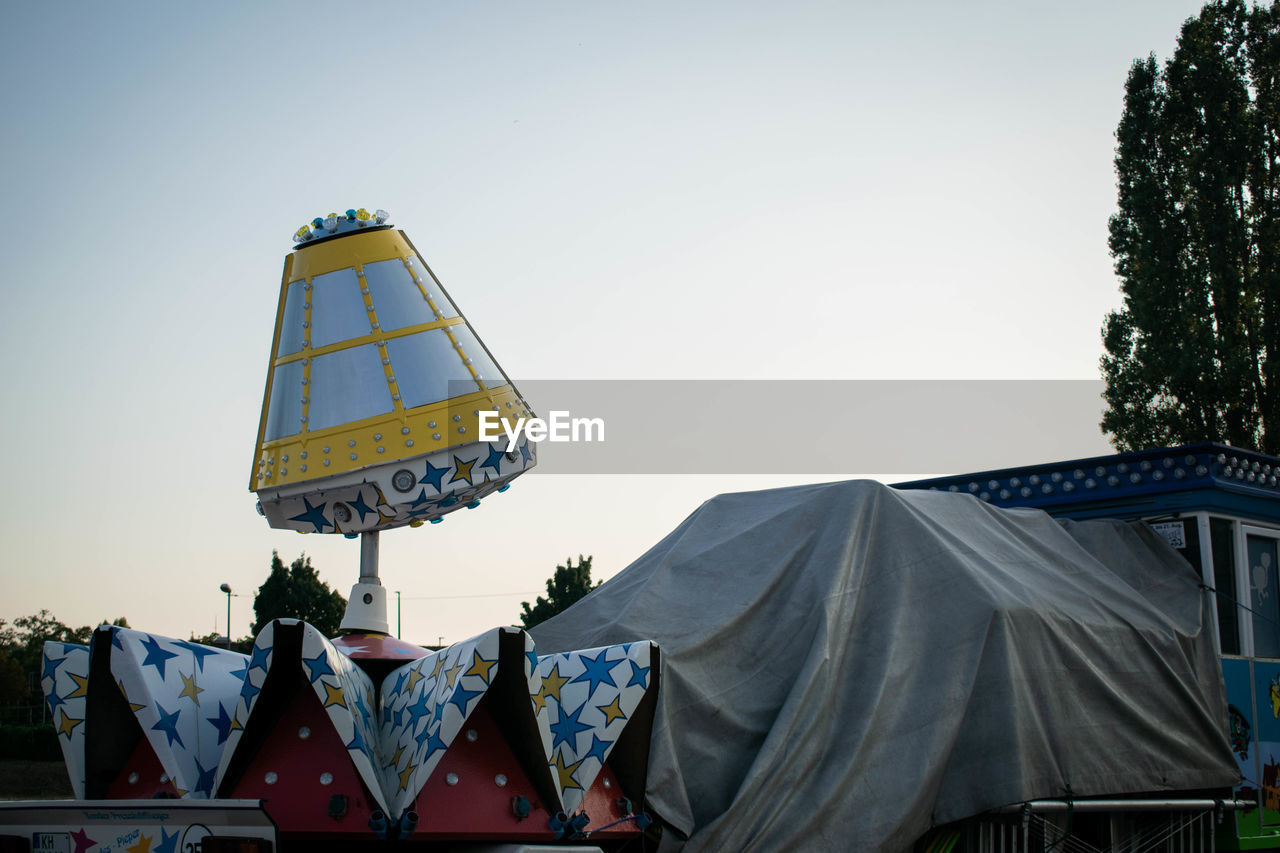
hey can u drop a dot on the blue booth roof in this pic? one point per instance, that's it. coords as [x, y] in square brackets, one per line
[1207, 476]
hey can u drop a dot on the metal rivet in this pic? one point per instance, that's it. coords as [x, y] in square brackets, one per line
[473, 735]
[304, 419]
[431, 424]
[351, 443]
[303, 455]
[133, 778]
[395, 397]
[436, 436]
[284, 472]
[391, 378]
[305, 401]
[500, 780]
[404, 430]
[271, 778]
[457, 418]
[164, 777]
[382, 450]
[408, 442]
[386, 361]
[304, 732]
[451, 779]
[326, 463]
[606, 783]
[326, 778]
[377, 436]
[304, 469]
[353, 456]
[462, 429]
[375, 325]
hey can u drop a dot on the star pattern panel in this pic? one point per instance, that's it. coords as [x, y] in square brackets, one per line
[64, 678]
[344, 690]
[587, 698]
[426, 703]
[180, 693]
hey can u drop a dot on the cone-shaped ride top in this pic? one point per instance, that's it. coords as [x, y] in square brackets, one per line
[370, 417]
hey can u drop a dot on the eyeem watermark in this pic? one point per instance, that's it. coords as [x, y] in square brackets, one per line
[559, 427]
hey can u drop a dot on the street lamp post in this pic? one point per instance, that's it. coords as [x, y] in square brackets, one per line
[226, 587]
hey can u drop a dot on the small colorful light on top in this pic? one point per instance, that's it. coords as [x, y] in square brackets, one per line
[334, 224]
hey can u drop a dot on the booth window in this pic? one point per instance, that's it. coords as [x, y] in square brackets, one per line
[1222, 539]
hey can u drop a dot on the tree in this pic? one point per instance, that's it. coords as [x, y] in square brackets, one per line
[566, 586]
[22, 651]
[297, 593]
[1194, 352]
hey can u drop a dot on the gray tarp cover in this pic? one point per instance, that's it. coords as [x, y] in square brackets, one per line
[846, 665]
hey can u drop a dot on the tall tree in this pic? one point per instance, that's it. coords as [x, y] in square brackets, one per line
[567, 585]
[1194, 352]
[298, 593]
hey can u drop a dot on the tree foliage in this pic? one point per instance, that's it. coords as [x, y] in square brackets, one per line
[22, 650]
[297, 592]
[1194, 352]
[567, 585]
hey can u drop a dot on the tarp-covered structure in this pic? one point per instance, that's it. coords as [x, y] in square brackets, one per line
[847, 665]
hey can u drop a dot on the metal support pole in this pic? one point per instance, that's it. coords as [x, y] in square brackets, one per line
[397, 614]
[369, 557]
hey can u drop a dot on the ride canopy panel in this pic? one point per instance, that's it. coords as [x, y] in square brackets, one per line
[847, 661]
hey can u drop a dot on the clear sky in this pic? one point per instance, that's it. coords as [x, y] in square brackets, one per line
[710, 190]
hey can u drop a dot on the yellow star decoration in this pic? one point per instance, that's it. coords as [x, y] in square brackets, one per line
[553, 681]
[333, 695]
[143, 845]
[439, 663]
[414, 678]
[613, 711]
[68, 724]
[82, 686]
[480, 666]
[539, 699]
[452, 674]
[405, 774]
[565, 772]
[464, 470]
[133, 706]
[235, 724]
[189, 688]
[399, 753]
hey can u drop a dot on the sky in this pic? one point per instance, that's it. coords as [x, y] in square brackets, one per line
[713, 190]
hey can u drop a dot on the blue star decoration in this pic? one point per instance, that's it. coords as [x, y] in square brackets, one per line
[259, 658]
[597, 671]
[421, 501]
[318, 666]
[532, 656]
[168, 723]
[248, 692]
[567, 728]
[243, 671]
[361, 507]
[169, 843]
[598, 748]
[639, 675]
[434, 743]
[54, 701]
[357, 742]
[204, 778]
[222, 723]
[526, 452]
[156, 656]
[115, 638]
[493, 460]
[50, 667]
[314, 516]
[461, 696]
[200, 652]
[435, 476]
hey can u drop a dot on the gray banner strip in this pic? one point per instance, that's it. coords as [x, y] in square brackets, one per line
[815, 427]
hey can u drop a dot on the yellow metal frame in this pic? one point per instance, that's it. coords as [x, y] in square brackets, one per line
[399, 434]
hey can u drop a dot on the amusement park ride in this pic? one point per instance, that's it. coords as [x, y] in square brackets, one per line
[369, 423]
